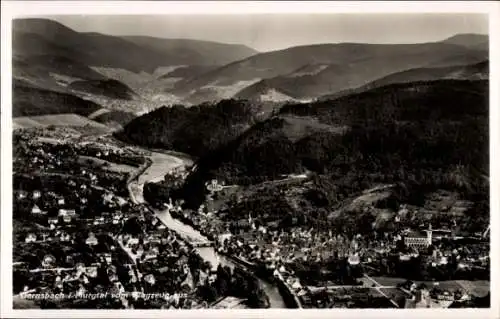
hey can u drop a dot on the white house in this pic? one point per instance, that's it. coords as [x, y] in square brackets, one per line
[107, 257]
[296, 285]
[99, 221]
[65, 237]
[353, 260]
[37, 194]
[133, 241]
[151, 254]
[67, 218]
[91, 240]
[37, 211]
[21, 194]
[108, 197]
[48, 261]
[30, 238]
[150, 279]
[62, 212]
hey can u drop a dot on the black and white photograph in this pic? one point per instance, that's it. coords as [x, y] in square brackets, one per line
[328, 160]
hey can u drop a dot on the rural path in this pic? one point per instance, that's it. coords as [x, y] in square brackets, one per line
[378, 287]
[98, 113]
[313, 288]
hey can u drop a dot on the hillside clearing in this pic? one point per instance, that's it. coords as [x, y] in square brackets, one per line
[41, 121]
[106, 165]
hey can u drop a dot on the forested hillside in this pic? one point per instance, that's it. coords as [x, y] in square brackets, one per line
[195, 130]
[28, 100]
[110, 88]
[432, 134]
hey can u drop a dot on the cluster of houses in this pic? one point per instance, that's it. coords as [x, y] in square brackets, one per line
[104, 215]
[422, 296]
[145, 251]
[262, 244]
[66, 216]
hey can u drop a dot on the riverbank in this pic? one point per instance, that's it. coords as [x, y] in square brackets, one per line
[290, 299]
[187, 232]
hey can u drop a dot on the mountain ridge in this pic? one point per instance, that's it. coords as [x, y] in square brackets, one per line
[362, 63]
[97, 49]
[476, 71]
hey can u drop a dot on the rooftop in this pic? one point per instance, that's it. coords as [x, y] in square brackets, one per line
[416, 234]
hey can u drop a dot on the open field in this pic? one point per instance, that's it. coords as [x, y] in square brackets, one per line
[354, 291]
[388, 281]
[105, 165]
[98, 113]
[477, 287]
[297, 127]
[73, 120]
[393, 293]
[162, 163]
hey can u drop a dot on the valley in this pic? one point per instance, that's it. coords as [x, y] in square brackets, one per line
[335, 175]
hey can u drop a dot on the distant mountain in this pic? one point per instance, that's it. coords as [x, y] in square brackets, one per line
[51, 56]
[41, 36]
[479, 71]
[470, 40]
[307, 72]
[44, 65]
[47, 37]
[194, 52]
[110, 88]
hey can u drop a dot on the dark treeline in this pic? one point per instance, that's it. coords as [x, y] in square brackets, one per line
[110, 88]
[443, 100]
[421, 136]
[32, 101]
[119, 117]
[428, 134]
[195, 130]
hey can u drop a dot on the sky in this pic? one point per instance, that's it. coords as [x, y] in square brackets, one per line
[278, 31]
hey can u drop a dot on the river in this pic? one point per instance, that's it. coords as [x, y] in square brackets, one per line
[162, 164]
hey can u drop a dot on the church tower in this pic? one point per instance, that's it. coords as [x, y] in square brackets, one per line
[429, 235]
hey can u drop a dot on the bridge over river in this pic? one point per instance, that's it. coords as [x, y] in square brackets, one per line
[163, 163]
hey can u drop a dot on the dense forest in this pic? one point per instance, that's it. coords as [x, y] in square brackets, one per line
[422, 136]
[195, 130]
[111, 88]
[114, 116]
[31, 101]
[425, 133]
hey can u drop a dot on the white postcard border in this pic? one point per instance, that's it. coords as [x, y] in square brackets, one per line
[12, 9]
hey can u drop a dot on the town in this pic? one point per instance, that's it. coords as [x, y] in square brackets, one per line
[78, 233]
[80, 228]
[325, 270]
